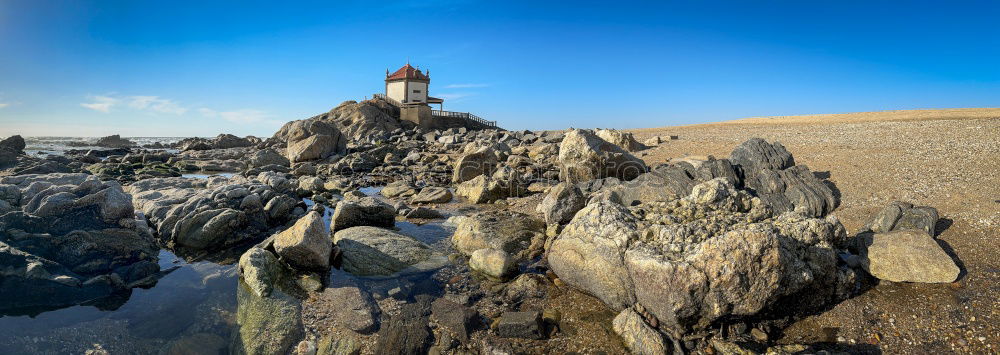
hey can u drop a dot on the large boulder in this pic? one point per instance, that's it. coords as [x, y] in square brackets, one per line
[769, 172]
[561, 204]
[10, 149]
[495, 264]
[13, 143]
[67, 239]
[480, 162]
[268, 314]
[517, 234]
[584, 156]
[908, 255]
[308, 140]
[265, 157]
[398, 188]
[371, 251]
[225, 141]
[481, 189]
[621, 139]
[306, 245]
[716, 254]
[368, 211]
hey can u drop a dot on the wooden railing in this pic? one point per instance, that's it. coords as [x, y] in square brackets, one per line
[388, 99]
[466, 115]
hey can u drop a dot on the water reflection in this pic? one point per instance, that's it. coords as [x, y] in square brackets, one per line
[206, 175]
[195, 305]
[196, 299]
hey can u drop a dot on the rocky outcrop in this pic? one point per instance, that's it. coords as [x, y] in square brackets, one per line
[10, 149]
[363, 121]
[222, 141]
[308, 140]
[769, 172]
[201, 216]
[907, 255]
[114, 141]
[13, 143]
[66, 239]
[717, 253]
[583, 156]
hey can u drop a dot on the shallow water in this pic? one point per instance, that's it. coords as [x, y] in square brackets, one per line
[371, 190]
[195, 298]
[193, 304]
[207, 175]
[58, 145]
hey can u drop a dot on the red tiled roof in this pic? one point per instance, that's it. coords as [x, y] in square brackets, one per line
[407, 72]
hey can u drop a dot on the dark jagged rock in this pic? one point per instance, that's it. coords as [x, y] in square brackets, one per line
[115, 141]
[769, 172]
[527, 325]
[222, 141]
[902, 215]
[407, 333]
[13, 143]
[757, 154]
[70, 239]
[458, 319]
[10, 149]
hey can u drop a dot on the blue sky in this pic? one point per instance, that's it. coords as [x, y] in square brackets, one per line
[183, 68]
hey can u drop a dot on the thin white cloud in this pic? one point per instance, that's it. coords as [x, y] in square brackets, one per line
[465, 86]
[155, 103]
[101, 103]
[104, 103]
[207, 112]
[456, 96]
[4, 104]
[245, 116]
